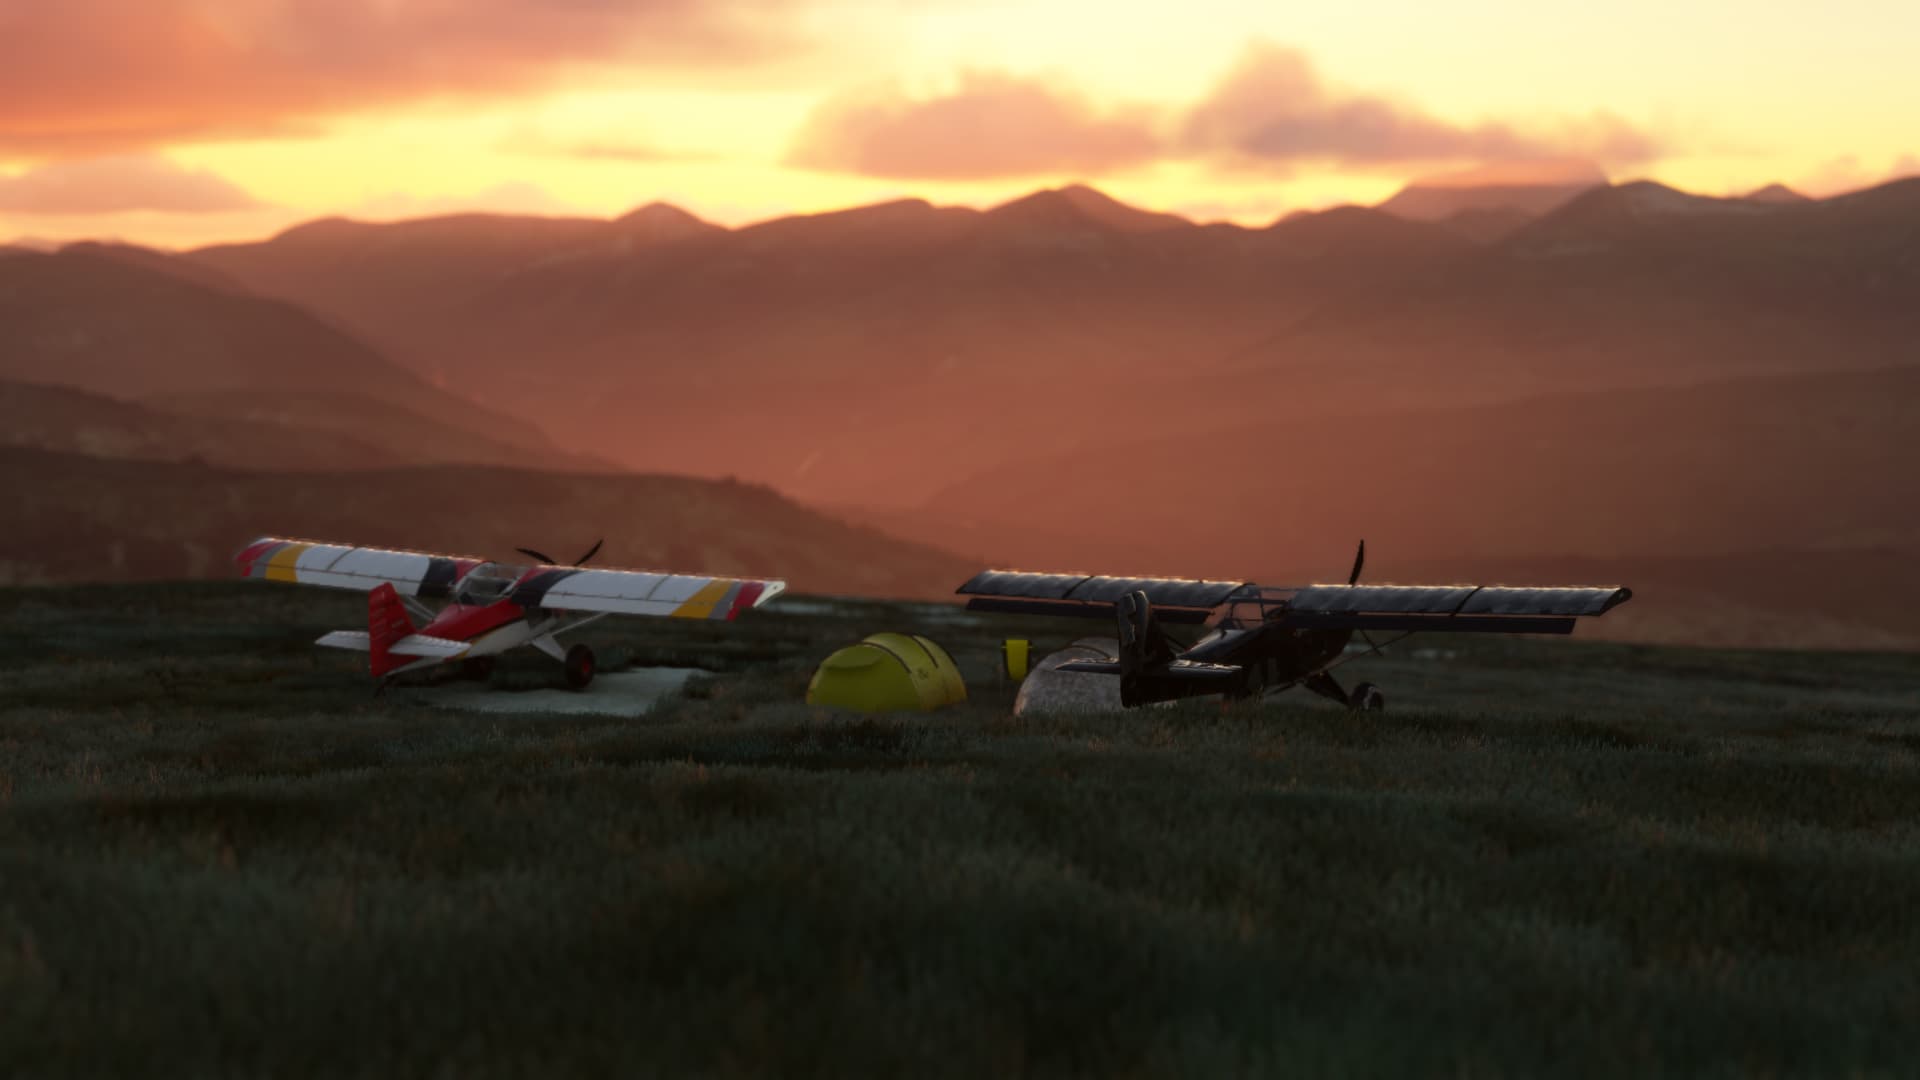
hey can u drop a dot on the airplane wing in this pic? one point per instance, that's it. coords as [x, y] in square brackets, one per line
[638, 592]
[341, 566]
[1484, 608]
[557, 588]
[1174, 600]
[1445, 608]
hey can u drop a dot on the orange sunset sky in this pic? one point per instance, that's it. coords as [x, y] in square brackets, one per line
[178, 122]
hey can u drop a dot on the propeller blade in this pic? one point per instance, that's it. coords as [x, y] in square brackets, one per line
[591, 552]
[1359, 560]
[536, 556]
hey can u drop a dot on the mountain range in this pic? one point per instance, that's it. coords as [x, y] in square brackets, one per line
[160, 355]
[92, 519]
[960, 339]
[1569, 374]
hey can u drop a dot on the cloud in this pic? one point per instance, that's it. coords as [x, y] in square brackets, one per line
[511, 197]
[1845, 173]
[119, 184]
[87, 76]
[990, 125]
[614, 148]
[1272, 109]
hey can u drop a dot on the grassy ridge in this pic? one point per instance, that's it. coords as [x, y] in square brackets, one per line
[219, 852]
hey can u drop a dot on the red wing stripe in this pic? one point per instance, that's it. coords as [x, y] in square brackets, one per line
[743, 598]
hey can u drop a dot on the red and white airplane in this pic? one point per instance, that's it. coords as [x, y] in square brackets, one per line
[488, 607]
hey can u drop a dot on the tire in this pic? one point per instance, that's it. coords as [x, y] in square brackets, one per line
[579, 667]
[479, 668]
[1366, 697]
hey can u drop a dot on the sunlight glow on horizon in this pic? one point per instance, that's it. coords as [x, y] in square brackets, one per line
[1732, 97]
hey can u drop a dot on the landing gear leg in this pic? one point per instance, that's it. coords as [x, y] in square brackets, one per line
[1326, 686]
[1365, 697]
[579, 666]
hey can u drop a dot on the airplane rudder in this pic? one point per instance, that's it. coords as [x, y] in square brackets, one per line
[387, 623]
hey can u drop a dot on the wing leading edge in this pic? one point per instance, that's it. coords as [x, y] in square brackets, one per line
[1445, 608]
[553, 588]
[343, 566]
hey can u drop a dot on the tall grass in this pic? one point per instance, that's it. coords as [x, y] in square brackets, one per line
[220, 853]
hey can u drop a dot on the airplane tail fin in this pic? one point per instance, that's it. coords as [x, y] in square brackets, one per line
[387, 623]
[1149, 667]
[1142, 643]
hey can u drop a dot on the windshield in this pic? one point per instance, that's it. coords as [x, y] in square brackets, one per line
[487, 582]
[1251, 606]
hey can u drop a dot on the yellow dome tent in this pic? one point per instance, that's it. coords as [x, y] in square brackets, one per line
[885, 673]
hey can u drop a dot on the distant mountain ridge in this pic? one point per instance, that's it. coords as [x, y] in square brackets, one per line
[75, 518]
[1638, 374]
[134, 324]
[1487, 204]
[1063, 313]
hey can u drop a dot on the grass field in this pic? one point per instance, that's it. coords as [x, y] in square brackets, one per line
[220, 854]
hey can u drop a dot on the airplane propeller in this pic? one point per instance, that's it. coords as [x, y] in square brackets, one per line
[1359, 560]
[551, 561]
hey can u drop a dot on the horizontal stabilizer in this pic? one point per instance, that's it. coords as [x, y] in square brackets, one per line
[411, 645]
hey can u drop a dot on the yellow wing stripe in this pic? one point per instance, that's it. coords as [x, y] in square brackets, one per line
[280, 567]
[700, 604]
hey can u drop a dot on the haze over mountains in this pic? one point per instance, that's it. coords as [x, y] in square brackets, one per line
[100, 520]
[921, 329]
[1563, 370]
[162, 337]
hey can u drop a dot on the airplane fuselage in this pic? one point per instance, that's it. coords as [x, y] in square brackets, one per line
[488, 630]
[1266, 656]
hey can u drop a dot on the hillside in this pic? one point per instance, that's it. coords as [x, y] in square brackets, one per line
[116, 324]
[821, 337]
[1636, 285]
[400, 435]
[863, 356]
[1817, 467]
[1546, 858]
[87, 519]
[64, 420]
[286, 430]
[1799, 461]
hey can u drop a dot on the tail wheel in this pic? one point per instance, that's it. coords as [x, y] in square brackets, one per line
[579, 665]
[478, 668]
[1366, 697]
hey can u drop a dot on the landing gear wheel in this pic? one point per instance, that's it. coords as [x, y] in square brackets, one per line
[579, 666]
[479, 668]
[1366, 697]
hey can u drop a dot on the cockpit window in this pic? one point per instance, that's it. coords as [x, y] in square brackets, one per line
[1251, 606]
[487, 582]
